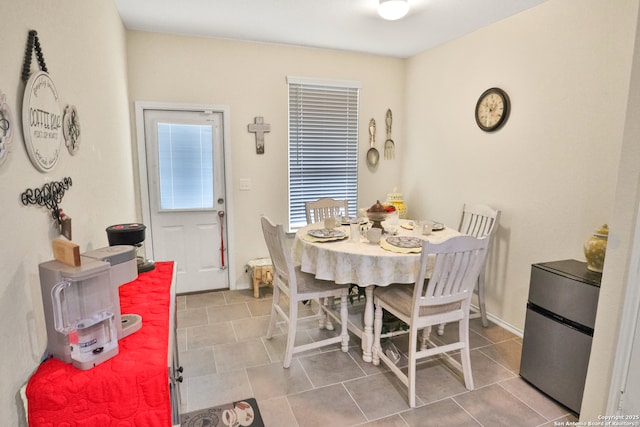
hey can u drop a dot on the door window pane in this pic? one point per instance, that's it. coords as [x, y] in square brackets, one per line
[186, 166]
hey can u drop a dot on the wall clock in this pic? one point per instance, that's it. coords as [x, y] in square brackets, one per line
[492, 109]
[42, 121]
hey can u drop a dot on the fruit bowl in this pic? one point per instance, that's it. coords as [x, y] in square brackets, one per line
[378, 213]
[377, 216]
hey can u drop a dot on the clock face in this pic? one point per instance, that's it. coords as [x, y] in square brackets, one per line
[492, 109]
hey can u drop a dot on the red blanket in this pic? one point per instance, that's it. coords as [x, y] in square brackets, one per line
[128, 390]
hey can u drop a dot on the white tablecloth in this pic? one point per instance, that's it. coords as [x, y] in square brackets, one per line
[361, 263]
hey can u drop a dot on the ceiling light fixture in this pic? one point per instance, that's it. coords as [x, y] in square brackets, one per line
[393, 9]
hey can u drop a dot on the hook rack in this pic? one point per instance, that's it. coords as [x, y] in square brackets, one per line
[49, 196]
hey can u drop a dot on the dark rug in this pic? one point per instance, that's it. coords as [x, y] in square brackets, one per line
[243, 413]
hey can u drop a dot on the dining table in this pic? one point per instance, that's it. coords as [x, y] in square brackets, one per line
[344, 259]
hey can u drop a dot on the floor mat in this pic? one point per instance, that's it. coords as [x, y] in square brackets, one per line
[243, 413]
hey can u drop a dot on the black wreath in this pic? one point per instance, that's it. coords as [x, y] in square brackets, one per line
[49, 196]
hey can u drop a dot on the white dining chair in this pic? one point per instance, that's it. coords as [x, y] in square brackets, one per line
[316, 211]
[479, 221]
[326, 207]
[444, 296]
[298, 286]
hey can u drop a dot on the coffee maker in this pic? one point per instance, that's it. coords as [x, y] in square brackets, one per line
[130, 234]
[80, 307]
[122, 259]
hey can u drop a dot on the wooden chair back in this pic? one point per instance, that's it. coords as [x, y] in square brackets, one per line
[283, 268]
[455, 265]
[479, 221]
[326, 207]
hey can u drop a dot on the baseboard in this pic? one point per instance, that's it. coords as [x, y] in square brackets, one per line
[501, 323]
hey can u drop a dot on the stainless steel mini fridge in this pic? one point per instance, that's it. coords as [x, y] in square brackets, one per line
[561, 313]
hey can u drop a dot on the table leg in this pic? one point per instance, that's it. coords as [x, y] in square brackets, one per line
[367, 336]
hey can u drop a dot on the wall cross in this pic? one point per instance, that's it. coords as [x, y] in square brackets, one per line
[259, 127]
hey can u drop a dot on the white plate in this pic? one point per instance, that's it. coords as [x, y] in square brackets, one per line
[407, 242]
[325, 233]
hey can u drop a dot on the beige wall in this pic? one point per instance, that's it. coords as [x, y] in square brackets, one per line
[84, 49]
[250, 78]
[553, 168]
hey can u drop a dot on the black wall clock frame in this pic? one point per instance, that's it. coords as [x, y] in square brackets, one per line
[492, 109]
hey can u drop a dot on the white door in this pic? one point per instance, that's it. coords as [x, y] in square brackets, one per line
[185, 175]
[630, 404]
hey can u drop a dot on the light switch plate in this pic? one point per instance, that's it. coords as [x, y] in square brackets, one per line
[245, 184]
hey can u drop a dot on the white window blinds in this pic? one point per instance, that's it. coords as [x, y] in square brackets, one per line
[323, 144]
[185, 163]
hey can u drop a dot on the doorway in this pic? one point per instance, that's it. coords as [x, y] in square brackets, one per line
[183, 175]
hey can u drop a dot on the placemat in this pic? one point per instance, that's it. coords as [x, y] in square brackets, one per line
[392, 248]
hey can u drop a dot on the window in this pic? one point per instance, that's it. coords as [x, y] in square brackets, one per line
[323, 144]
[186, 166]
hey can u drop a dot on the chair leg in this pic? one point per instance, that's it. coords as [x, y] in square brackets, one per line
[441, 329]
[322, 321]
[291, 333]
[274, 312]
[411, 367]
[465, 356]
[377, 332]
[426, 333]
[344, 317]
[328, 324]
[483, 311]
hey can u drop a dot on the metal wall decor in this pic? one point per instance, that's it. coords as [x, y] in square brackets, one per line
[389, 145]
[41, 113]
[71, 129]
[6, 127]
[49, 196]
[372, 154]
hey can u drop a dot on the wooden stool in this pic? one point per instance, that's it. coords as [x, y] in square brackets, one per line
[261, 271]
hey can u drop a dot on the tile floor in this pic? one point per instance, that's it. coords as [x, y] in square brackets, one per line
[226, 357]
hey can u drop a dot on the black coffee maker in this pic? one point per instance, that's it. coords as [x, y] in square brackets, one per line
[130, 234]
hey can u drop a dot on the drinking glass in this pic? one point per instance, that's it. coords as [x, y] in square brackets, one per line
[374, 235]
[354, 233]
[330, 223]
[427, 227]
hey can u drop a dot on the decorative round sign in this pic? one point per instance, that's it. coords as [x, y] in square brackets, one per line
[71, 129]
[6, 127]
[42, 121]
